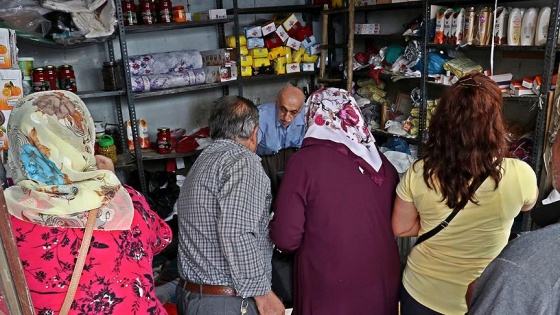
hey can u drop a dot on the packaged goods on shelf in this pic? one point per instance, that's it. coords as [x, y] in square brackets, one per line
[213, 14]
[218, 57]
[314, 49]
[280, 65]
[268, 27]
[527, 82]
[457, 27]
[372, 28]
[281, 32]
[143, 138]
[272, 41]
[216, 74]
[246, 71]
[292, 67]
[258, 52]
[537, 82]
[12, 91]
[246, 61]
[255, 42]
[295, 29]
[298, 55]
[308, 66]
[261, 62]
[231, 42]
[8, 49]
[500, 28]
[252, 31]
[288, 22]
[363, 3]
[503, 80]
[293, 43]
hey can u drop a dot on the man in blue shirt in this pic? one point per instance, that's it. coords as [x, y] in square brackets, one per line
[281, 131]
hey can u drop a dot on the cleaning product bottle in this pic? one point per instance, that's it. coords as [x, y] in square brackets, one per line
[514, 27]
[528, 27]
[500, 27]
[542, 26]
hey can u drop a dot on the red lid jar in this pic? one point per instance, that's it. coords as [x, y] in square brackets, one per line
[67, 78]
[129, 12]
[40, 80]
[164, 8]
[146, 9]
[164, 141]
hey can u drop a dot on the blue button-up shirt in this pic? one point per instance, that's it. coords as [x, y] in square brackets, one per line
[274, 137]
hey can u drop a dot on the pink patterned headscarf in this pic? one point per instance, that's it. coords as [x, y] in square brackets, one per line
[333, 114]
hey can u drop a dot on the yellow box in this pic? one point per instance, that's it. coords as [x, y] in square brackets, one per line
[246, 61]
[243, 51]
[298, 55]
[8, 49]
[276, 52]
[258, 52]
[246, 71]
[280, 65]
[288, 54]
[12, 91]
[261, 62]
[309, 58]
[230, 41]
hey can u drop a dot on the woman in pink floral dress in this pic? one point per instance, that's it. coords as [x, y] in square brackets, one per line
[57, 181]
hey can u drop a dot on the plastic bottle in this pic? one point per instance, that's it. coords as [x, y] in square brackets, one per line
[542, 26]
[528, 27]
[514, 27]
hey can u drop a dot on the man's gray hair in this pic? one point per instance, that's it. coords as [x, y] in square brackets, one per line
[233, 117]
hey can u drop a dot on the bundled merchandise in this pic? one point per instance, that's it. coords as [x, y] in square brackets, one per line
[219, 65]
[166, 70]
[483, 26]
[282, 45]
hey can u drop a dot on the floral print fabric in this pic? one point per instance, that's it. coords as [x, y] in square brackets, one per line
[51, 159]
[333, 114]
[117, 276]
[166, 62]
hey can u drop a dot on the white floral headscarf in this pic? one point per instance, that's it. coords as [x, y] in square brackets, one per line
[51, 137]
[333, 114]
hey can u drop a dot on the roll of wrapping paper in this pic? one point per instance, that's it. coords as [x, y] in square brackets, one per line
[166, 62]
[168, 80]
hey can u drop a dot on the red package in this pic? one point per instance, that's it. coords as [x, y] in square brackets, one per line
[303, 33]
[296, 28]
[189, 144]
[272, 40]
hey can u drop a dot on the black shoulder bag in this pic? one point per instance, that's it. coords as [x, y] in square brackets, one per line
[438, 228]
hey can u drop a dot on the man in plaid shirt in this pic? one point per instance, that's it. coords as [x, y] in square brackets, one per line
[223, 211]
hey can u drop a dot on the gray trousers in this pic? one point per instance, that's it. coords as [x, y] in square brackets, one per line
[190, 303]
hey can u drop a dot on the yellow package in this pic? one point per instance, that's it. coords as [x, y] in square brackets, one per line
[243, 51]
[280, 65]
[275, 52]
[246, 71]
[296, 57]
[288, 54]
[258, 52]
[230, 41]
[309, 58]
[246, 61]
[261, 62]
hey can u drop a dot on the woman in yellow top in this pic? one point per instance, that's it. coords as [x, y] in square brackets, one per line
[464, 166]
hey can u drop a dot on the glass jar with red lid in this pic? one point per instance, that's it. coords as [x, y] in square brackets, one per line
[129, 12]
[164, 8]
[145, 10]
[40, 80]
[67, 78]
[164, 141]
[52, 76]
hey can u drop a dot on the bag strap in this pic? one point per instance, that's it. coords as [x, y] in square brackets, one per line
[79, 267]
[438, 228]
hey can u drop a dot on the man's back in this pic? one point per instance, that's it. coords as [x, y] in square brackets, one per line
[224, 202]
[524, 278]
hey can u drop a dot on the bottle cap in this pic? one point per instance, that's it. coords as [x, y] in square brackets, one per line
[105, 141]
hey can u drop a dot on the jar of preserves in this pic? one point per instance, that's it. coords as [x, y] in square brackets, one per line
[107, 147]
[67, 78]
[112, 76]
[52, 76]
[179, 13]
[145, 11]
[164, 141]
[129, 12]
[40, 80]
[164, 8]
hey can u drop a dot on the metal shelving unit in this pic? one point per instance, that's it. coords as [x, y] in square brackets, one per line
[549, 50]
[236, 11]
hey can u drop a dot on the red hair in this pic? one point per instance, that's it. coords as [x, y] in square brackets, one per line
[467, 140]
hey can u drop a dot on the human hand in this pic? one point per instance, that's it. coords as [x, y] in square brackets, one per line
[269, 304]
[104, 163]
